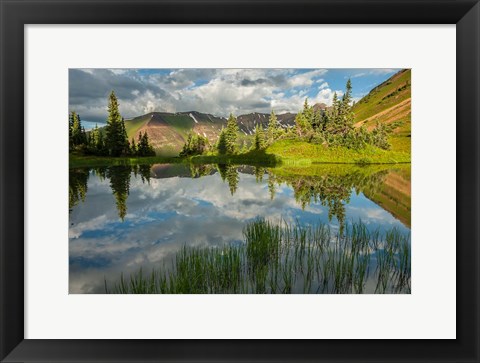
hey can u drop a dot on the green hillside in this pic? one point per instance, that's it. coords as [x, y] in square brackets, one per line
[183, 124]
[389, 102]
[132, 126]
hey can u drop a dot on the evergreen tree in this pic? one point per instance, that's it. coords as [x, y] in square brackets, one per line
[93, 136]
[345, 111]
[77, 132]
[222, 142]
[308, 112]
[259, 173]
[70, 131]
[347, 97]
[325, 121]
[317, 119]
[195, 145]
[244, 147]
[333, 114]
[133, 147]
[231, 135]
[77, 186]
[120, 183]
[83, 135]
[272, 127]
[144, 148]
[259, 138]
[139, 144]
[116, 139]
[100, 145]
[231, 174]
[124, 138]
[271, 185]
[304, 121]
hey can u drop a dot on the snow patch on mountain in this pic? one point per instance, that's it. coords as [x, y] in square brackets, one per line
[193, 117]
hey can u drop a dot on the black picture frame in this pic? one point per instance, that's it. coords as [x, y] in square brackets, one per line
[15, 14]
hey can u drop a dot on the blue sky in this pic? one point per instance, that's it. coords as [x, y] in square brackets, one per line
[214, 91]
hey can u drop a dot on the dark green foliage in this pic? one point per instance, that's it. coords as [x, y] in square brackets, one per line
[116, 140]
[231, 135]
[335, 126]
[200, 170]
[229, 174]
[133, 147]
[76, 133]
[77, 186]
[110, 141]
[273, 130]
[259, 139]
[120, 183]
[96, 142]
[144, 148]
[119, 176]
[195, 145]
[222, 142]
[303, 122]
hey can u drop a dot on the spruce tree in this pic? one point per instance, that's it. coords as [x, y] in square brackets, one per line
[231, 135]
[70, 130]
[93, 140]
[83, 135]
[133, 147]
[334, 114]
[188, 147]
[222, 142]
[272, 127]
[259, 139]
[116, 140]
[307, 112]
[344, 119]
[144, 148]
[317, 119]
[100, 145]
[124, 138]
[77, 131]
[302, 125]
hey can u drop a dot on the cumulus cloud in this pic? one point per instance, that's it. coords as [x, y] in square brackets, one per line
[216, 91]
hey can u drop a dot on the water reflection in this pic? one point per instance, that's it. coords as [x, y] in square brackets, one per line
[126, 217]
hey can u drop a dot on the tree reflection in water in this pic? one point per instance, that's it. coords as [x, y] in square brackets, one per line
[331, 185]
[119, 177]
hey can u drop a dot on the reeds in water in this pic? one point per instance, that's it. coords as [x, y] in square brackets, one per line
[285, 258]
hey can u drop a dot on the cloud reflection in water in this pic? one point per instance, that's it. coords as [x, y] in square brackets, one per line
[162, 214]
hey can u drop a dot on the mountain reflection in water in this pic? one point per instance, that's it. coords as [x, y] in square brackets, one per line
[126, 217]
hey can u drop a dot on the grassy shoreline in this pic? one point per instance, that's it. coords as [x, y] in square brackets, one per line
[283, 152]
[78, 161]
[299, 152]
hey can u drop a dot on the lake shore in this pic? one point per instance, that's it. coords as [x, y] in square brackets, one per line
[289, 152]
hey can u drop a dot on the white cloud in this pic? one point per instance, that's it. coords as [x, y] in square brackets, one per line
[323, 85]
[216, 91]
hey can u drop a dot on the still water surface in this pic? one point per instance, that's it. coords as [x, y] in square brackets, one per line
[124, 218]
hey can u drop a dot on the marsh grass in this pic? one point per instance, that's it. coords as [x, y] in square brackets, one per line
[285, 258]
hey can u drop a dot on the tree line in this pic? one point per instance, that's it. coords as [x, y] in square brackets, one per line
[331, 127]
[227, 142]
[334, 126]
[111, 140]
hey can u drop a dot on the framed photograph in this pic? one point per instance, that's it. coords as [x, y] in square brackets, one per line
[239, 181]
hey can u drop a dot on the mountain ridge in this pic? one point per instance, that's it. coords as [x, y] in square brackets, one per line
[168, 131]
[387, 103]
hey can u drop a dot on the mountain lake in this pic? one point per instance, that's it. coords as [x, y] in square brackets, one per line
[126, 218]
